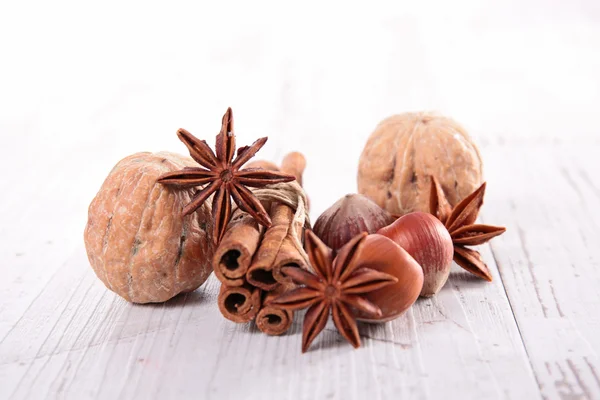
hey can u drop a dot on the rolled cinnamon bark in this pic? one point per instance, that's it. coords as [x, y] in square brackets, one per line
[288, 256]
[268, 165]
[239, 303]
[277, 248]
[234, 254]
[260, 273]
[271, 319]
[294, 163]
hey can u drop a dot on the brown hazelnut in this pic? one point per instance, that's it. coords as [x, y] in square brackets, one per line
[404, 150]
[427, 240]
[349, 216]
[382, 254]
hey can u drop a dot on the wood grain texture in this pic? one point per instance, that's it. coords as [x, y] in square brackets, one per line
[92, 343]
[549, 201]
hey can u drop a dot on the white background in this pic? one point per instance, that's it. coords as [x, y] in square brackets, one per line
[315, 77]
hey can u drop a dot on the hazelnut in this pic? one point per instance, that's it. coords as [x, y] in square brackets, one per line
[348, 217]
[427, 240]
[382, 254]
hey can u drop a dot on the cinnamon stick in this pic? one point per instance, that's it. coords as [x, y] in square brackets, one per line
[288, 256]
[239, 303]
[273, 320]
[294, 163]
[277, 248]
[261, 273]
[264, 164]
[234, 254]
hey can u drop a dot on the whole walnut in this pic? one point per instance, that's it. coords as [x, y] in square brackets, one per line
[136, 239]
[405, 150]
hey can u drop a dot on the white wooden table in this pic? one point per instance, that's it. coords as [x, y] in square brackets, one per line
[82, 86]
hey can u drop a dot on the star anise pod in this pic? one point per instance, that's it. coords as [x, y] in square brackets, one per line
[460, 222]
[222, 174]
[336, 287]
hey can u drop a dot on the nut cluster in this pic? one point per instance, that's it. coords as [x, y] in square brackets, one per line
[368, 258]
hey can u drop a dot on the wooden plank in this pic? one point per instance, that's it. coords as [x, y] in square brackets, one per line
[548, 198]
[69, 337]
[78, 339]
[43, 225]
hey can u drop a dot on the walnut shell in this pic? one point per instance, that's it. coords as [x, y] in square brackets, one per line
[136, 239]
[405, 149]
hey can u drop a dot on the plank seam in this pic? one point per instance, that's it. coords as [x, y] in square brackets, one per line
[532, 370]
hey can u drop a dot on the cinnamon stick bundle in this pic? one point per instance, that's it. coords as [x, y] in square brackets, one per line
[239, 303]
[234, 254]
[249, 259]
[273, 320]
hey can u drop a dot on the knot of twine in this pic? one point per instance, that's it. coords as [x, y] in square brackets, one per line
[292, 195]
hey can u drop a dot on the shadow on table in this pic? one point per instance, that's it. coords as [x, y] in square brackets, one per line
[194, 298]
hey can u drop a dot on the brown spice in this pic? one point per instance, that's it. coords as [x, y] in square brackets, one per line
[288, 256]
[240, 242]
[460, 222]
[234, 255]
[239, 303]
[264, 164]
[223, 176]
[271, 319]
[247, 261]
[294, 164]
[277, 249]
[338, 286]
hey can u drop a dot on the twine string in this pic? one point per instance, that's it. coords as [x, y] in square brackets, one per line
[292, 195]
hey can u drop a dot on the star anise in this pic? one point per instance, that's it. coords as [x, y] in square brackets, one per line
[222, 174]
[336, 287]
[460, 222]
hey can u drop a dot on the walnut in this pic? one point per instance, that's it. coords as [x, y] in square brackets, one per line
[404, 150]
[136, 239]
